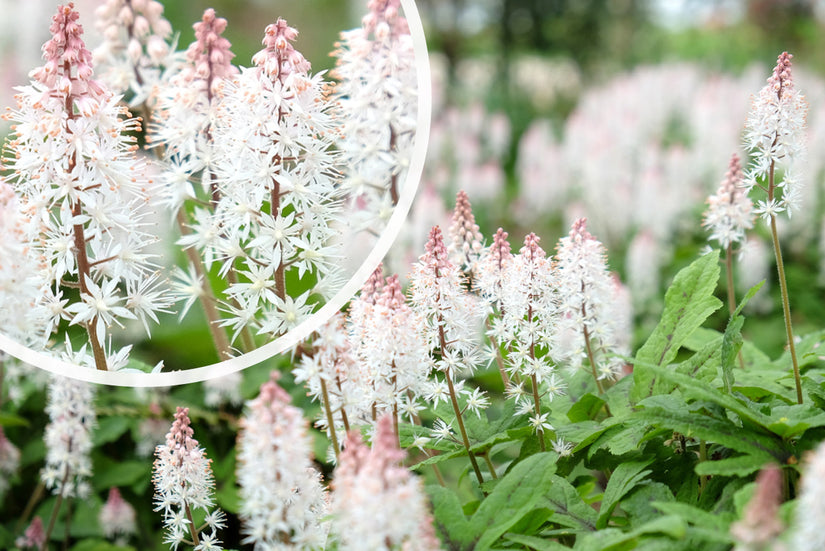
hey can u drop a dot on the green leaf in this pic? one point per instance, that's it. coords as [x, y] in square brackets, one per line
[228, 498]
[110, 429]
[533, 542]
[585, 409]
[119, 474]
[613, 540]
[33, 452]
[725, 432]
[638, 504]
[702, 365]
[741, 465]
[700, 391]
[12, 420]
[449, 519]
[582, 433]
[99, 545]
[688, 303]
[570, 509]
[732, 340]
[791, 421]
[439, 458]
[715, 526]
[731, 344]
[516, 494]
[622, 481]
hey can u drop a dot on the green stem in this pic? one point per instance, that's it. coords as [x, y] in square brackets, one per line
[490, 466]
[535, 384]
[703, 456]
[499, 361]
[439, 476]
[330, 421]
[783, 286]
[457, 410]
[731, 291]
[786, 309]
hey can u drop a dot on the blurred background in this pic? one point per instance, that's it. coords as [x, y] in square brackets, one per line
[626, 112]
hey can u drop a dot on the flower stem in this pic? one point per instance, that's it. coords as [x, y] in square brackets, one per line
[783, 286]
[535, 383]
[395, 403]
[56, 510]
[461, 428]
[592, 359]
[731, 291]
[330, 421]
[536, 398]
[490, 466]
[192, 529]
[219, 338]
[499, 361]
[394, 180]
[786, 309]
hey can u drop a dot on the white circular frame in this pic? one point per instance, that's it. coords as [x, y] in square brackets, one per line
[296, 335]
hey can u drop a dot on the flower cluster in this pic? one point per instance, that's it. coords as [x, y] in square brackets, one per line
[378, 92]
[135, 50]
[397, 367]
[465, 238]
[68, 437]
[775, 134]
[590, 316]
[377, 503]
[185, 109]
[283, 501]
[729, 210]
[335, 379]
[84, 192]
[183, 484]
[117, 517]
[529, 325]
[20, 284]
[274, 199]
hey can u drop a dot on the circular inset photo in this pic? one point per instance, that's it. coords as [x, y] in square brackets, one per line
[181, 202]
